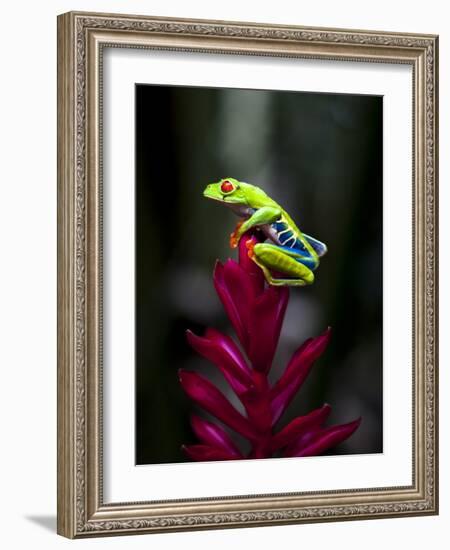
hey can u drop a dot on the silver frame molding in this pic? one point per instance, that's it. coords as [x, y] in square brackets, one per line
[81, 39]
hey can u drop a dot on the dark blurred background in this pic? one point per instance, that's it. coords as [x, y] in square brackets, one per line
[320, 157]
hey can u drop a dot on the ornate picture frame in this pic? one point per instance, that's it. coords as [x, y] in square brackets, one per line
[82, 40]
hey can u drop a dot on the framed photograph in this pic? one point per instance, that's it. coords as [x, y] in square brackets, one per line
[247, 277]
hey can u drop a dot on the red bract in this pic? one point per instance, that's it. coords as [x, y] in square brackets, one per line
[256, 312]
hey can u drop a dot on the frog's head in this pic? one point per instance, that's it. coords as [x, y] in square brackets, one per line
[239, 196]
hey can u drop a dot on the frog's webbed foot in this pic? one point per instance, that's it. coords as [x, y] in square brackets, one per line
[235, 236]
[275, 281]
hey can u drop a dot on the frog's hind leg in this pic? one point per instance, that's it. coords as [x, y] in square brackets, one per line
[268, 256]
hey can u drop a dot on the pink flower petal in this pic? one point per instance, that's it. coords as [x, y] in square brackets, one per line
[240, 288]
[206, 395]
[306, 354]
[255, 273]
[323, 440]
[296, 372]
[299, 426]
[203, 453]
[211, 434]
[257, 404]
[227, 345]
[232, 310]
[222, 352]
[266, 320]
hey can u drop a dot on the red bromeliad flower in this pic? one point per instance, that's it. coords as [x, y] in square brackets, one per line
[256, 312]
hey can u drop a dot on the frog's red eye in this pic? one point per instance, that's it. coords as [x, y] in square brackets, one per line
[226, 187]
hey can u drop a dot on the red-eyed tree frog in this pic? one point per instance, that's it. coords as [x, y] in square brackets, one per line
[287, 250]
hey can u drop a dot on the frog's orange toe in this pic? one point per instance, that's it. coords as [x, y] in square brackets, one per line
[234, 237]
[250, 246]
[234, 240]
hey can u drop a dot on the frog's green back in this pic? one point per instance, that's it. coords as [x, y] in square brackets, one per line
[258, 198]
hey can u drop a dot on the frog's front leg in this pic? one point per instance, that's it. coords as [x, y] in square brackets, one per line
[262, 216]
[269, 256]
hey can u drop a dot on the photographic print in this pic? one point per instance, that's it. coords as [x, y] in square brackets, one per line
[247, 254]
[266, 343]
